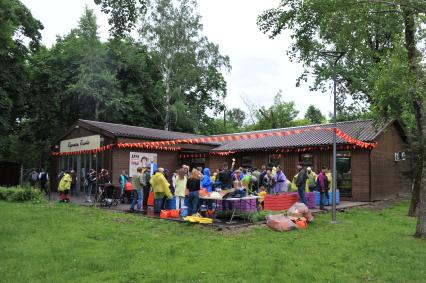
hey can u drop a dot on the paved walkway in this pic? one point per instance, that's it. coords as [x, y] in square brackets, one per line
[80, 200]
[341, 206]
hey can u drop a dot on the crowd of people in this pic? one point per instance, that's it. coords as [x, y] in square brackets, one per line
[39, 178]
[186, 183]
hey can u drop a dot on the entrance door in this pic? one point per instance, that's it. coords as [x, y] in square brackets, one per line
[344, 173]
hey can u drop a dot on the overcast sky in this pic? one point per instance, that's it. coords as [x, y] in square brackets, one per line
[260, 67]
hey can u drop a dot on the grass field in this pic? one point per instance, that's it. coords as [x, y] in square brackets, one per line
[66, 243]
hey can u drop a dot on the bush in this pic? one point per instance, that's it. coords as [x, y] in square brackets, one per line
[20, 194]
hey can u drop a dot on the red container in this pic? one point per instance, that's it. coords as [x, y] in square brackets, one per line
[280, 202]
[151, 199]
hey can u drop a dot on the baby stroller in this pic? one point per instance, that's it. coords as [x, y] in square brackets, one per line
[109, 195]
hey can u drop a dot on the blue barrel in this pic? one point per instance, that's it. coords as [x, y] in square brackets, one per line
[184, 211]
[330, 193]
[171, 203]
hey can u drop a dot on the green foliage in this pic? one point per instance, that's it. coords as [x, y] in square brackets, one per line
[190, 65]
[260, 216]
[19, 37]
[97, 245]
[45, 90]
[82, 77]
[374, 69]
[280, 115]
[20, 194]
[123, 15]
[314, 115]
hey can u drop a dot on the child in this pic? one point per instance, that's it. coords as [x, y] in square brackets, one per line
[261, 200]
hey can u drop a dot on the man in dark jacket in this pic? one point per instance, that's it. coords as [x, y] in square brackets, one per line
[301, 182]
[146, 188]
[225, 177]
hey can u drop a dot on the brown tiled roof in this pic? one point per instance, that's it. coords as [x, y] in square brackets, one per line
[363, 130]
[120, 130]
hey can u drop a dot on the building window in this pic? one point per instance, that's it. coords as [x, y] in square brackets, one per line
[197, 162]
[246, 161]
[306, 159]
[274, 159]
[344, 173]
[201, 160]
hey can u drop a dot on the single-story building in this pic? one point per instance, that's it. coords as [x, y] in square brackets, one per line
[364, 174]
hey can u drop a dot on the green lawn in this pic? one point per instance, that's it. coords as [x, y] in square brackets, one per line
[66, 243]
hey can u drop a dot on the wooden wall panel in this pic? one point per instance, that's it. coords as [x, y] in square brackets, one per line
[288, 164]
[322, 158]
[360, 167]
[389, 177]
[79, 132]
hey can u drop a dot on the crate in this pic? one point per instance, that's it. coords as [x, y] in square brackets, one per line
[247, 205]
[330, 193]
[280, 202]
[310, 199]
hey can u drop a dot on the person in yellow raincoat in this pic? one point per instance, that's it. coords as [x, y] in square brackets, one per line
[161, 188]
[329, 178]
[311, 181]
[64, 187]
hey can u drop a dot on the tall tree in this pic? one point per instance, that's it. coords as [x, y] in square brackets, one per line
[314, 115]
[233, 122]
[96, 84]
[19, 37]
[123, 15]
[235, 117]
[190, 65]
[280, 115]
[78, 72]
[380, 40]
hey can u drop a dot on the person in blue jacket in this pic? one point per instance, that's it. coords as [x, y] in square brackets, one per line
[206, 182]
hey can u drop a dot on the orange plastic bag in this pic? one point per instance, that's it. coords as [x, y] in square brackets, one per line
[203, 192]
[175, 213]
[300, 222]
[210, 213]
[164, 214]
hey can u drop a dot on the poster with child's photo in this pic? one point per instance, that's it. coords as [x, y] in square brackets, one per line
[140, 159]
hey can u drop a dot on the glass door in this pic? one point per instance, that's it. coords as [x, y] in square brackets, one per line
[344, 173]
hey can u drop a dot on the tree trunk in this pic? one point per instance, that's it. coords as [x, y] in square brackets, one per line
[421, 220]
[410, 45]
[417, 183]
[167, 85]
[97, 105]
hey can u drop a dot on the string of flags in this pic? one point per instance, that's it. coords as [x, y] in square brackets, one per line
[171, 144]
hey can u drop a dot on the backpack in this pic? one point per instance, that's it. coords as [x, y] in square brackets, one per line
[145, 179]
